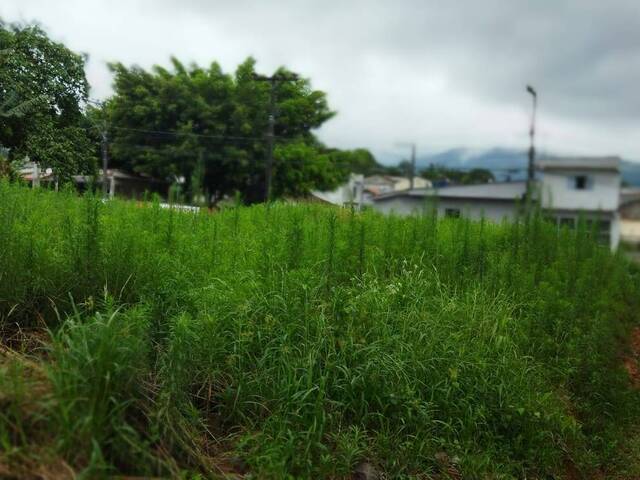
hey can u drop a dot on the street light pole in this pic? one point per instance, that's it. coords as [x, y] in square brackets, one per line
[532, 149]
[273, 81]
[105, 162]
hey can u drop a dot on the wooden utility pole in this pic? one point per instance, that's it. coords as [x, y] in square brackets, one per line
[270, 136]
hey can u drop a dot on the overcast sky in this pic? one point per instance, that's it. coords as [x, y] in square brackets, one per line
[441, 73]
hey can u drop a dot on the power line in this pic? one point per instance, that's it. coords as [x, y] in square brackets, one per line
[197, 135]
[188, 134]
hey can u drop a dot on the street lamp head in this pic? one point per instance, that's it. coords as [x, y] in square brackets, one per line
[531, 90]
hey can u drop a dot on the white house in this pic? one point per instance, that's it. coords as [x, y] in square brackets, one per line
[565, 188]
[587, 186]
[349, 193]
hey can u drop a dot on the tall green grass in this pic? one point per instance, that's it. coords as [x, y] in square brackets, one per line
[300, 340]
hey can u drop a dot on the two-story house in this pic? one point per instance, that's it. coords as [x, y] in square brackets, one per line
[582, 186]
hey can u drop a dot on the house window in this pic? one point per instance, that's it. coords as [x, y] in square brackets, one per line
[581, 182]
[452, 212]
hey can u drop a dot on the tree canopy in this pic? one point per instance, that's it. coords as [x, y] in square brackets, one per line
[42, 91]
[437, 173]
[208, 128]
[198, 126]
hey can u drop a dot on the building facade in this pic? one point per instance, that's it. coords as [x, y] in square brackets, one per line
[566, 189]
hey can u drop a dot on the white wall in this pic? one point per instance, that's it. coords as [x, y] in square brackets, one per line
[495, 211]
[473, 209]
[403, 205]
[558, 192]
[616, 228]
[630, 231]
[346, 194]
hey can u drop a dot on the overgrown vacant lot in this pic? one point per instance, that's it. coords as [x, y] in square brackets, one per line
[301, 341]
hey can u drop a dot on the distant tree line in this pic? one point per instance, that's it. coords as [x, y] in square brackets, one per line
[440, 174]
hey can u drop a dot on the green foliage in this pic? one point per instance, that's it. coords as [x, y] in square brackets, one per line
[437, 173]
[9, 169]
[218, 122]
[296, 341]
[359, 160]
[98, 364]
[42, 89]
[300, 168]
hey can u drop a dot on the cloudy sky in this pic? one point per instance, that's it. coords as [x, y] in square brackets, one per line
[443, 74]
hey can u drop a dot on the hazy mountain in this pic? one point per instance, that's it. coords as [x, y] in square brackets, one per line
[504, 163]
[631, 172]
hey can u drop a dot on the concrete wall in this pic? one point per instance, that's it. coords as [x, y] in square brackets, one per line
[602, 192]
[616, 231]
[630, 231]
[403, 205]
[495, 211]
[630, 210]
[473, 209]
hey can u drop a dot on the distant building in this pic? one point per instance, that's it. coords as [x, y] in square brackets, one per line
[493, 201]
[123, 184]
[587, 186]
[359, 190]
[349, 193]
[120, 183]
[630, 204]
[375, 185]
[378, 184]
[565, 188]
[630, 215]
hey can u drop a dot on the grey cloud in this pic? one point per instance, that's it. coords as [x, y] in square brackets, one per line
[443, 73]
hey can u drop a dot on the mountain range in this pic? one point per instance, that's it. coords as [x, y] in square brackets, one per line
[504, 163]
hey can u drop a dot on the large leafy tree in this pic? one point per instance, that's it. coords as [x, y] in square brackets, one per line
[207, 127]
[42, 90]
[359, 160]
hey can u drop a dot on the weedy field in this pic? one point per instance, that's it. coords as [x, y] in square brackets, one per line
[302, 341]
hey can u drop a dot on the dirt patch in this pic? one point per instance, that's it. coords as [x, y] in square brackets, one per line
[631, 362]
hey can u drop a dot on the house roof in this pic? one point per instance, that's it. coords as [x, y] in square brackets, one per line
[629, 195]
[499, 191]
[387, 179]
[119, 175]
[579, 163]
